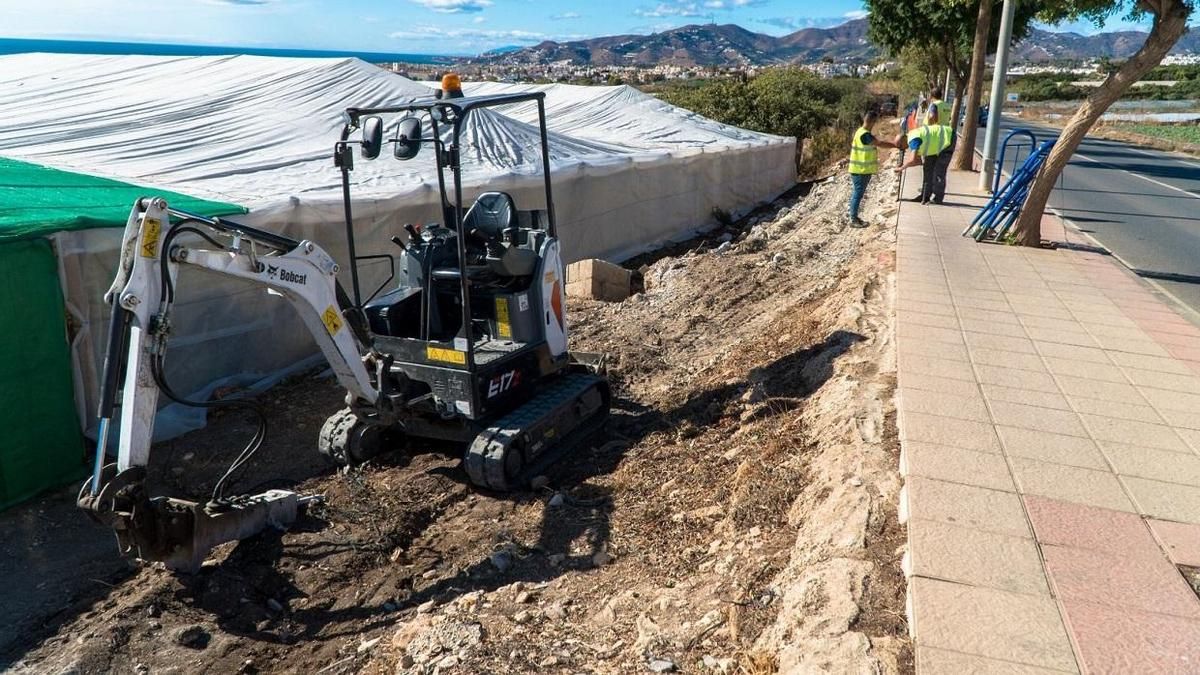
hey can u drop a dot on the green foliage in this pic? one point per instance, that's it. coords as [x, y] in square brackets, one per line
[1057, 87]
[1048, 87]
[784, 101]
[828, 144]
[1178, 72]
[1095, 11]
[919, 67]
[1180, 133]
[946, 25]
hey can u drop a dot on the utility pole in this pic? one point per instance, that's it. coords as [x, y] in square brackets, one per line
[996, 105]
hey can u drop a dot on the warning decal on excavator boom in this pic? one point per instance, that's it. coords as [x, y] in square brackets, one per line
[333, 322]
[151, 228]
[446, 355]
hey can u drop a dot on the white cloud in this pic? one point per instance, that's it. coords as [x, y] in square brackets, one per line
[663, 9]
[478, 20]
[474, 35]
[856, 14]
[454, 6]
[690, 8]
[565, 16]
[796, 23]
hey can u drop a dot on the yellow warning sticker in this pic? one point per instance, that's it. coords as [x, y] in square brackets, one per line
[446, 355]
[151, 228]
[503, 325]
[332, 320]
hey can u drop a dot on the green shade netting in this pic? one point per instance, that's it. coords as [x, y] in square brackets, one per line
[38, 200]
[41, 445]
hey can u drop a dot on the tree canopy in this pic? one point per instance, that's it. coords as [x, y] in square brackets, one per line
[945, 28]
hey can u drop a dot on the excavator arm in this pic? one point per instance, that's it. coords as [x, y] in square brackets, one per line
[179, 532]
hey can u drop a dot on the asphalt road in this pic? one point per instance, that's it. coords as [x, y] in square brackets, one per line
[1140, 204]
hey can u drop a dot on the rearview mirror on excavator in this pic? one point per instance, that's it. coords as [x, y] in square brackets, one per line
[408, 138]
[372, 137]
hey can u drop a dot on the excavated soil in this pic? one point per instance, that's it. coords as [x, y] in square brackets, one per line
[736, 514]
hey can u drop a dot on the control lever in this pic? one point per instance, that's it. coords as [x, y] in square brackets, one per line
[414, 236]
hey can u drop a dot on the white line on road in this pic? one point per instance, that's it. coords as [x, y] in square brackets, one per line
[1163, 153]
[1138, 175]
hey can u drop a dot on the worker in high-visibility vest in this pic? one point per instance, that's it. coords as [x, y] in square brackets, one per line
[935, 102]
[864, 162]
[932, 145]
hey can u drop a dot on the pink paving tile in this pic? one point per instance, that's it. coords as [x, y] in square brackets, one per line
[1155, 316]
[1146, 580]
[1068, 524]
[1185, 353]
[1178, 330]
[1180, 540]
[1122, 640]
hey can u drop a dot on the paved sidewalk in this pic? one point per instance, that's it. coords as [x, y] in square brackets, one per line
[1049, 407]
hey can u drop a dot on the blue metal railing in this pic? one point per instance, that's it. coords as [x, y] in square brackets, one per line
[1001, 211]
[1016, 155]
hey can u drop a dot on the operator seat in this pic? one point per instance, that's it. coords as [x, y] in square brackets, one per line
[490, 216]
[492, 222]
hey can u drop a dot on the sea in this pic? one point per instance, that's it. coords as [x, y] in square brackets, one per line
[23, 46]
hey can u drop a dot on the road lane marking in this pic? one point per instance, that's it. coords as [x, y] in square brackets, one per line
[1138, 175]
[1163, 153]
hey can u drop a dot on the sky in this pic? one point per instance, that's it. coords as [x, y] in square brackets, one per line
[405, 26]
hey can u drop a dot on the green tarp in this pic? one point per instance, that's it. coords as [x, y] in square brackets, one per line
[41, 445]
[37, 200]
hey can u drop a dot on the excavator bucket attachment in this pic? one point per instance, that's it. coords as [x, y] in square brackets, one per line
[180, 533]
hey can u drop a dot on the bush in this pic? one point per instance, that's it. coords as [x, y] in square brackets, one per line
[783, 101]
[828, 145]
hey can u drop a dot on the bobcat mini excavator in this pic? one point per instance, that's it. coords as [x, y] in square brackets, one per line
[469, 347]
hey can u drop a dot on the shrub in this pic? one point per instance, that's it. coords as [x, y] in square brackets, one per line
[784, 101]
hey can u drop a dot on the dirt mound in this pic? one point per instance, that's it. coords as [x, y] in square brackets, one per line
[736, 511]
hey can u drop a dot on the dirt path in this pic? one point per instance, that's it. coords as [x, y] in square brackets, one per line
[735, 515]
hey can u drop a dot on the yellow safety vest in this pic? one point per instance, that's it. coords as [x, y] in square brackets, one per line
[934, 139]
[864, 159]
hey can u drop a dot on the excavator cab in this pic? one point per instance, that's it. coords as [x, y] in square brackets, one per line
[475, 325]
[465, 341]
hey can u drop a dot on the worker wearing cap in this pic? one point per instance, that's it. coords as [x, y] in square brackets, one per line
[931, 145]
[864, 162]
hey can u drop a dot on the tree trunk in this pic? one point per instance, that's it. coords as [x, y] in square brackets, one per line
[1170, 23]
[964, 153]
[960, 86]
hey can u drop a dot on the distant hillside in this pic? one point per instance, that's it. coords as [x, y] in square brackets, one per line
[702, 45]
[731, 45]
[1044, 45]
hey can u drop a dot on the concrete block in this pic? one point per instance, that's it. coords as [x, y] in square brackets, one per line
[598, 280]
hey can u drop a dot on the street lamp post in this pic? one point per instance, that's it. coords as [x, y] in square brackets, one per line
[996, 104]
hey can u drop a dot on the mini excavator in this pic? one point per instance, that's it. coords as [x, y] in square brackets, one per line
[468, 347]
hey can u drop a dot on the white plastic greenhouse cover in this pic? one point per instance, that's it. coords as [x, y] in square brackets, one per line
[630, 173]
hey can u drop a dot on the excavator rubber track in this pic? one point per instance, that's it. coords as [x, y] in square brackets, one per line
[518, 446]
